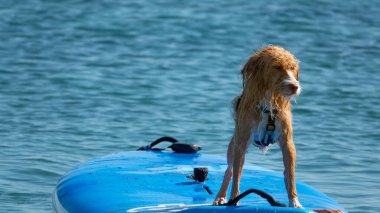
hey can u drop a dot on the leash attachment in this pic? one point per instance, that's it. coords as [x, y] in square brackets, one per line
[200, 175]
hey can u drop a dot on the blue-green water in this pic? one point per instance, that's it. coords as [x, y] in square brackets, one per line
[81, 79]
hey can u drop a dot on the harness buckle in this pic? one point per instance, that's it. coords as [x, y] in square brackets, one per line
[271, 127]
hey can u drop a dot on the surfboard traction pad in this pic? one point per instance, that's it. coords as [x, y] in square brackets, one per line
[153, 181]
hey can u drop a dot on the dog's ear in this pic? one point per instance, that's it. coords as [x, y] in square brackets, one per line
[250, 67]
[245, 72]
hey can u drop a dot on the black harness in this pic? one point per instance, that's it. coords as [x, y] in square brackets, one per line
[269, 130]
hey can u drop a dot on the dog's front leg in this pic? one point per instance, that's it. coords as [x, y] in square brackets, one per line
[241, 136]
[222, 194]
[289, 158]
[239, 157]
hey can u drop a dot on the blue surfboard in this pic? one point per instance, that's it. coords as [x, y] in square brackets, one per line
[158, 181]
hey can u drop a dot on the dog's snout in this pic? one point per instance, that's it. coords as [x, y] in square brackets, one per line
[293, 87]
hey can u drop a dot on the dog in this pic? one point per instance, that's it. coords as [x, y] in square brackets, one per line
[263, 117]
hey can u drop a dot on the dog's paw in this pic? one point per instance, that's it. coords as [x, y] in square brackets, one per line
[219, 201]
[295, 203]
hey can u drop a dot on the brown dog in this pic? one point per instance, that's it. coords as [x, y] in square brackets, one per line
[263, 116]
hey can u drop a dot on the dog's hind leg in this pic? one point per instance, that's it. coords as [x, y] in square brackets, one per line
[222, 194]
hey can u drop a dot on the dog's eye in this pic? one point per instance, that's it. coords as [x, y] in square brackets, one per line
[277, 67]
[292, 68]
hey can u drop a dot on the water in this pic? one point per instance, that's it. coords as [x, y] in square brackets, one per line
[81, 79]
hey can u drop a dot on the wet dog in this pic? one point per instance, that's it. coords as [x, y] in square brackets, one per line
[263, 117]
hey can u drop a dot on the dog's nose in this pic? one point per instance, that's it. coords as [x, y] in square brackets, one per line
[294, 87]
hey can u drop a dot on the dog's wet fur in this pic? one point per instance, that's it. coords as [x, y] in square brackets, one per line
[270, 81]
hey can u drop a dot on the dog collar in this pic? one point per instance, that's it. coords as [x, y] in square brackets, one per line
[266, 110]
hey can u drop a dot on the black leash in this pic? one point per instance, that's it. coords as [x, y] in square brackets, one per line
[262, 194]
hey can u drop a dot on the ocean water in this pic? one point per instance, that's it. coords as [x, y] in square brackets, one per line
[81, 79]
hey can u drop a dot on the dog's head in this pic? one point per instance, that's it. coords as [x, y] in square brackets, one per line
[271, 71]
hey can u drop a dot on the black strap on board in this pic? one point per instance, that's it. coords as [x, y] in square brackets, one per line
[176, 146]
[262, 194]
[159, 140]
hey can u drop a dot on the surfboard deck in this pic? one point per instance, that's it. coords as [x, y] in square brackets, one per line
[157, 181]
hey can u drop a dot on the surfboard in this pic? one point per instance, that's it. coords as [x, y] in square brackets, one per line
[158, 181]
